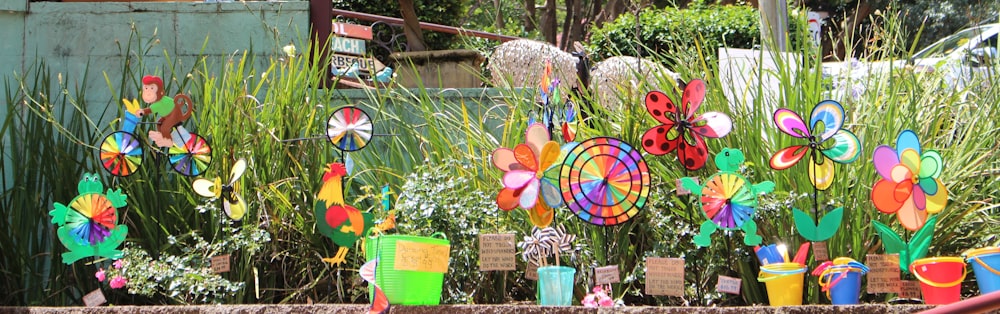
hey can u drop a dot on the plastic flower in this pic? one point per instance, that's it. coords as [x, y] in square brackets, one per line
[910, 186]
[681, 129]
[530, 175]
[100, 275]
[599, 298]
[118, 282]
[827, 142]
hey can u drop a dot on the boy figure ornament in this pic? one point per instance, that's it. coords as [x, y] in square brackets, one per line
[172, 114]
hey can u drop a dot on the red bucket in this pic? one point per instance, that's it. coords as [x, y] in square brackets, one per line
[940, 278]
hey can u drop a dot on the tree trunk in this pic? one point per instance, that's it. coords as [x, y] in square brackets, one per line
[529, 15]
[576, 28]
[849, 27]
[499, 19]
[568, 23]
[591, 17]
[549, 23]
[411, 27]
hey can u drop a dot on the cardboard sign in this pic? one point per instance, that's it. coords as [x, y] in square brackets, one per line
[365, 64]
[531, 272]
[884, 274]
[220, 264]
[910, 289]
[665, 276]
[347, 45]
[352, 30]
[497, 252]
[820, 252]
[680, 188]
[606, 275]
[94, 298]
[418, 256]
[729, 285]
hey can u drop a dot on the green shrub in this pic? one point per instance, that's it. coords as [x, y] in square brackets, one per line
[672, 31]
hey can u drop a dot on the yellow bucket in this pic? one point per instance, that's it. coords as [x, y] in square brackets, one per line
[784, 283]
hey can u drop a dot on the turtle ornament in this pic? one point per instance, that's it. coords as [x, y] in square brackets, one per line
[728, 199]
[88, 225]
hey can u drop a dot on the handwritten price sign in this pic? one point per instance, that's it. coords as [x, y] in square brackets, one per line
[418, 256]
[220, 264]
[606, 275]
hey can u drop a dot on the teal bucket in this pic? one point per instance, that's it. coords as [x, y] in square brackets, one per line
[404, 287]
[555, 285]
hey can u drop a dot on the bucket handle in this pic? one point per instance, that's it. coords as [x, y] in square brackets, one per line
[938, 284]
[766, 279]
[829, 285]
[439, 235]
[994, 271]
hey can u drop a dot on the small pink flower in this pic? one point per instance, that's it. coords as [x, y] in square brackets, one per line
[606, 301]
[119, 264]
[118, 282]
[589, 301]
[100, 275]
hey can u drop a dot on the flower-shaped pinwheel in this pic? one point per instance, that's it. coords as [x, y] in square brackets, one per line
[910, 186]
[677, 121]
[531, 178]
[827, 142]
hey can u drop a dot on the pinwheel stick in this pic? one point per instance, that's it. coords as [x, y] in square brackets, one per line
[555, 248]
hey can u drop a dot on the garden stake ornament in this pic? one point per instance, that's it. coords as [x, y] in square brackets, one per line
[827, 143]
[342, 223]
[681, 130]
[727, 199]
[604, 181]
[530, 177]
[910, 187]
[188, 153]
[232, 200]
[88, 226]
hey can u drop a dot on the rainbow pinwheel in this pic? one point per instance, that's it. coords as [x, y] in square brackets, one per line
[88, 225]
[531, 175]
[910, 186]
[673, 133]
[828, 141]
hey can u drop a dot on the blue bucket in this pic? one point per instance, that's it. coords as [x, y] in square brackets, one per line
[985, 264]
[842, 283]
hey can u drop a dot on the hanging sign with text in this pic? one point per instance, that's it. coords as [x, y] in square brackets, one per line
[347, 45]
[352, 30]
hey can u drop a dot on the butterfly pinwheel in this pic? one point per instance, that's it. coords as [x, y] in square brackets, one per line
[681, 128]
[827, 141]
[531, 175]
[232, 201]
[910, 186]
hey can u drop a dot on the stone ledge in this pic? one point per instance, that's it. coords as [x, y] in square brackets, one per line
[472, 309]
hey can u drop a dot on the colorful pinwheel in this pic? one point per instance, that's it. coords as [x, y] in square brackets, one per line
[349, 129]
[604, 181]
[88, 225]
[825, 134]
[530, 175]
[674, 133]
[910, 186]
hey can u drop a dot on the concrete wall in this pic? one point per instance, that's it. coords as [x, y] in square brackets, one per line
[72, 37]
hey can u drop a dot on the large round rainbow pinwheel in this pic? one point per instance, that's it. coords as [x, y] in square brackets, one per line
[604, 181]
[530, 177]
[673, 134]
[827, 141]
[910, 186]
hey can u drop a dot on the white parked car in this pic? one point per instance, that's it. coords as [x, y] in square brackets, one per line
[969, 53]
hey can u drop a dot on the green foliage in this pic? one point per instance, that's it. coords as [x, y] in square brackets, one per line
[678, 32]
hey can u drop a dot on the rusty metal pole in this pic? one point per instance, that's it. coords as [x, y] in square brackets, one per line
[981, 304]
[320, 26]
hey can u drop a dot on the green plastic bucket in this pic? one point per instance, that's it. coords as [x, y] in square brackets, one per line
[407, 287]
